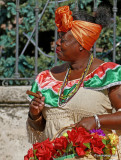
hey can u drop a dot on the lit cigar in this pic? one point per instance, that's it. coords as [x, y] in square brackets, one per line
[32, 94]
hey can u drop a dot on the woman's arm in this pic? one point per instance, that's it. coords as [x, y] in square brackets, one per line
[35, 117]
[38, 124]
[109, 121]
[113, 121]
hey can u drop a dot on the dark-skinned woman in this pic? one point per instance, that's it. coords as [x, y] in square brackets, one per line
[84, 91]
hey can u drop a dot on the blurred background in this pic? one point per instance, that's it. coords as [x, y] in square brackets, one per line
[21, 20]
[27, 46]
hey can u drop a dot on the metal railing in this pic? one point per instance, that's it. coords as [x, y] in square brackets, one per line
[35, 30]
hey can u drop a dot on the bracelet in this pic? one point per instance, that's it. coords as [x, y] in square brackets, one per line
[119, 110]
[97, 121]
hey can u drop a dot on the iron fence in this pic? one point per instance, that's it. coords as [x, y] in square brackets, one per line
[35, 43]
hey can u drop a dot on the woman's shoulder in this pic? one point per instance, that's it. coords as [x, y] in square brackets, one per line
[106, 75]
[59, 68]
[43, 74]
[106, 66]
[100, 65]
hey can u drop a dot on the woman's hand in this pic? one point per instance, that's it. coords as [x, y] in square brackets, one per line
[88, 123]
[36, 106]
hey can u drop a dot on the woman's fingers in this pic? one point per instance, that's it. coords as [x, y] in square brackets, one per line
[43, 99]
[34, 110]
[37, 105]
[36, 100]
[39, 93]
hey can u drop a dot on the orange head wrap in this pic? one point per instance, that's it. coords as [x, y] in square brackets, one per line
[86, 33]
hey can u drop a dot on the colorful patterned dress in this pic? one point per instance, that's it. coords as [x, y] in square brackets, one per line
[91, 98]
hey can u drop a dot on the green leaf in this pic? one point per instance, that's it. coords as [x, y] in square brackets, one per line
[13, 33]
[104, 141]
[69, 146]
[31, 158]
[87, 145]
[13, 11]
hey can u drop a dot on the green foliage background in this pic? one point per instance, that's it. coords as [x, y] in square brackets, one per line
[27, 23]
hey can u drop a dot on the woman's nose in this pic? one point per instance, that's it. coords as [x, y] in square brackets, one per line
[58, 42]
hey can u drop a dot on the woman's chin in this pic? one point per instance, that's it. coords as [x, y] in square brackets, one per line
[62, 59]
[59, 56]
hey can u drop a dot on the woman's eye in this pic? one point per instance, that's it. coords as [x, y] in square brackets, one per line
[63, 40]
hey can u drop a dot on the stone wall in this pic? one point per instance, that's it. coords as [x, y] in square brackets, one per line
[13, 114]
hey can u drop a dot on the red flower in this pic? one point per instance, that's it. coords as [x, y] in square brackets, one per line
[72, 136]
[97, 144]
[84, 139]
[46, 144]
[82, 131]
[60, 143]
[80, 151]
[44, 154]
[79, 135]
[44, 150]
[30, 154]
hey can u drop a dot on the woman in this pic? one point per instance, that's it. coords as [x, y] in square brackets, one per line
[84, 91]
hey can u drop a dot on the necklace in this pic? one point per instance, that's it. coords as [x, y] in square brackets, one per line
[63, 99]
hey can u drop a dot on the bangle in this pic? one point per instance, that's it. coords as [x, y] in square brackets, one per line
[97, 121]
[119, 110]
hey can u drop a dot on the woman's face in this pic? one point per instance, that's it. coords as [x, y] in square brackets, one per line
[67, 47]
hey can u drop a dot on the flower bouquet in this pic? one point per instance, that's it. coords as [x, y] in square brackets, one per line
[77, 143]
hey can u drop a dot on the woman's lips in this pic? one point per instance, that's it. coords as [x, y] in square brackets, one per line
[58, 50]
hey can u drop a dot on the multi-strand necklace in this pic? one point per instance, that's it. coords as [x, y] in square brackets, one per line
[63, 99]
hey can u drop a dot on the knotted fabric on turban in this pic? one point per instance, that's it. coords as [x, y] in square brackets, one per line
[86, 33]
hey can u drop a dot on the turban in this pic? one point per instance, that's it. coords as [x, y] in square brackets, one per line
[86, 33]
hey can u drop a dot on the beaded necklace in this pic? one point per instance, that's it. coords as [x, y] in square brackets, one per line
[63, 99]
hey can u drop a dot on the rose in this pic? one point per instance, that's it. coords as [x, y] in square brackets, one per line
[97, 144]
[44, 153]
[79, 139]
[46, 144]
[83, 136]
[60, 143]
[29, 155]
[81, 150]
[44, 150]
[72, 136]
[79, 135]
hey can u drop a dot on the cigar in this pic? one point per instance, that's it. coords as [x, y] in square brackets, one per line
[32, 94]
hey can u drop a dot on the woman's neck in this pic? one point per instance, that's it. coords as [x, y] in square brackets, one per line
[80, 63]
